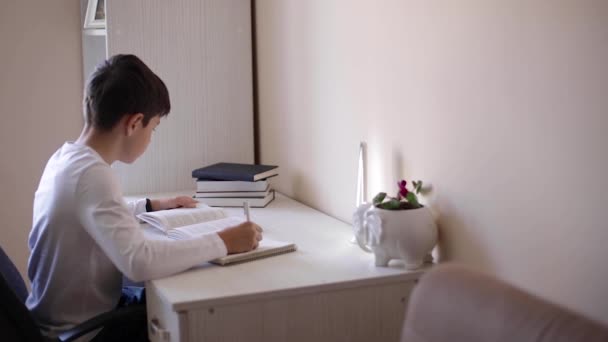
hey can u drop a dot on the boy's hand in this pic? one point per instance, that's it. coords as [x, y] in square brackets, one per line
[241, 238]
[183, 202]
[176, 202]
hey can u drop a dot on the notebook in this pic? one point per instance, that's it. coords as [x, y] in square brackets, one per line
[266, 248]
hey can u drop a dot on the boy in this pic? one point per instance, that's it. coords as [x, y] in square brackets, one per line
[84, 237]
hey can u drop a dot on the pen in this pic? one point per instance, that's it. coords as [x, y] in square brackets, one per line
[246, 209]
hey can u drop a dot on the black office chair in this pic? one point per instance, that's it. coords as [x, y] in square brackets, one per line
[16, 322]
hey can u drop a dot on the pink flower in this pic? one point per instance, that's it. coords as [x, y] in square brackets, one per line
[402, 190]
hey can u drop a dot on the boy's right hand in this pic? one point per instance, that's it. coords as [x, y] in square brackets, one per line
[241, 238]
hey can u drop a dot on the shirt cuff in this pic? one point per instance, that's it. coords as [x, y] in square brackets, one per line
[137, 207]
[218, 244]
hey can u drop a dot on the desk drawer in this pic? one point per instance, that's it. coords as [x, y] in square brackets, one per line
[370, 313]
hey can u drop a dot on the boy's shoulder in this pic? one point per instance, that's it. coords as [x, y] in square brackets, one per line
[72, 161]
[72, 155]
[74, 171]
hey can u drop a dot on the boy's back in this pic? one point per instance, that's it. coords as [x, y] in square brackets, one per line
[72, 278]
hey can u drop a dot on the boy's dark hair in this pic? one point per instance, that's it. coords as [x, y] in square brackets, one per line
[120, 86]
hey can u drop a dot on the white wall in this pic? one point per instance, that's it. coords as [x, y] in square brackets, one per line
[502, 105]
[40, 104]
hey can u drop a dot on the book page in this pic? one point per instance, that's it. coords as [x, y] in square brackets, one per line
[193, 230]
[173, 218]
[267, 247]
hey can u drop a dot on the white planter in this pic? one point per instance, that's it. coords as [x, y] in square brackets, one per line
[409, 235]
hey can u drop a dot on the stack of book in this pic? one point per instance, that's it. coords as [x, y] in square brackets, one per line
[231, 184]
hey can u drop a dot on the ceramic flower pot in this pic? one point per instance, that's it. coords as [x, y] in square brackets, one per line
[409, 235]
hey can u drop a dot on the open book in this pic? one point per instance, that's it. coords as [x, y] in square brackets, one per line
[182, 223]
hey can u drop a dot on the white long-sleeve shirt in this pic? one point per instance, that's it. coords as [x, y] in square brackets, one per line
[85, 237]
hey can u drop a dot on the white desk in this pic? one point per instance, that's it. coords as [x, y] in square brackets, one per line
[328, 290]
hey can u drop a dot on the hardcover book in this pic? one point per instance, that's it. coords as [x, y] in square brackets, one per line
[236, 172]
[254, 202]
[230, 186]
[230, 194]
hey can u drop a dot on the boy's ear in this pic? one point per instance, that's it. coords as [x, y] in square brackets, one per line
[133, 121]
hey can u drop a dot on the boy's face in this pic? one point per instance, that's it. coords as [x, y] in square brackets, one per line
[139, 140]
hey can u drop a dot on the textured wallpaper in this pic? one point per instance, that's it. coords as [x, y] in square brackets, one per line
[202, 50]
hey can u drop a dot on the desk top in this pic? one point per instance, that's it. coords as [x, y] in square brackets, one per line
[325, 260]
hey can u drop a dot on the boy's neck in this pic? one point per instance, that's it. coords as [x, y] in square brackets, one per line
[106, 144]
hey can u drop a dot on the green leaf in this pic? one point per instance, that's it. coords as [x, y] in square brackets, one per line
[379, 198]
[418, 186]
[413, 199]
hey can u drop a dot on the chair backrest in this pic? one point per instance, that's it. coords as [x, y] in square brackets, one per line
[456, 303]
[16, 322]
[12, 276]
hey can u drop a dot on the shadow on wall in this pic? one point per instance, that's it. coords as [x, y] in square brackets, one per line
[301, 188]
[398, 173]
[454, 231]
[452, 228]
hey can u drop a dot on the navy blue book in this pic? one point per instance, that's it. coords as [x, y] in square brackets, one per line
[236, 172]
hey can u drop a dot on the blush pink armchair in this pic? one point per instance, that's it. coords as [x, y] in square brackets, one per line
[453, 303]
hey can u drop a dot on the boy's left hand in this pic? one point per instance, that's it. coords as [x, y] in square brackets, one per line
[176, 202]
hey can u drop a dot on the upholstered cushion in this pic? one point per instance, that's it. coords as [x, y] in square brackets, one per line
[453, 303]
[12, 276]
[16, 324]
